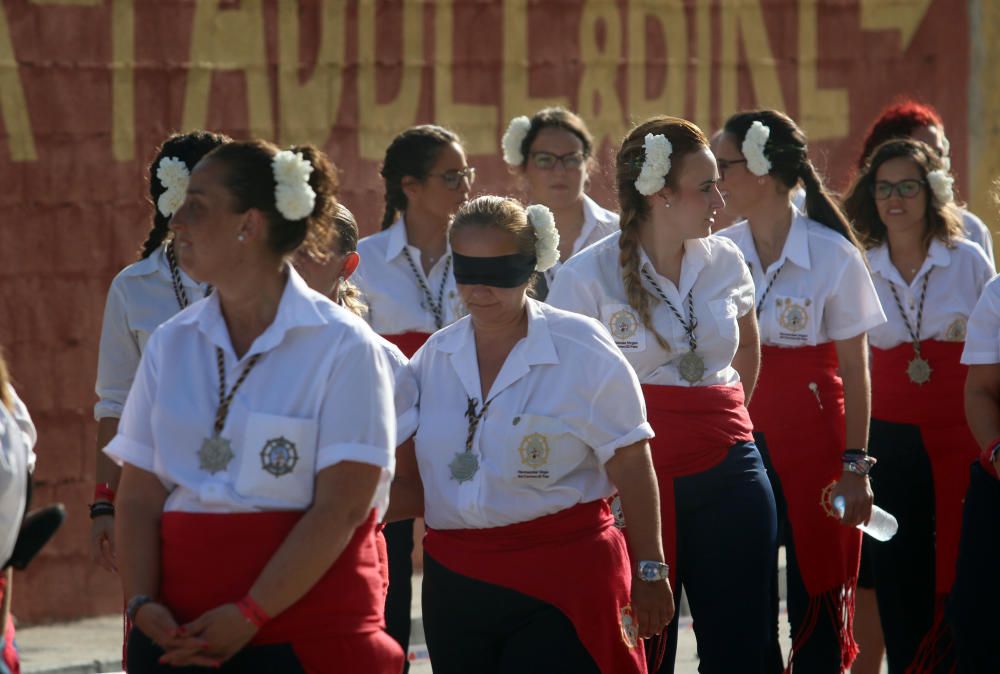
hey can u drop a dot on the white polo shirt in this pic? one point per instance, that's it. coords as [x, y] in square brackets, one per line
[823, 293]
[543, 442]
[957, 277]
[982, 339]
[713, 269]
[140, 298]
[977, 232]
[396, 302]
[322, 385]
[17, 438]
[598, 222]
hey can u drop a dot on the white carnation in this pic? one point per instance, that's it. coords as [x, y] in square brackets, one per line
[293, 196]
[170, 201]
[941, 185]
[172, 172]
[655, 164]
[546, 235]
[513, 138]
[753, 149]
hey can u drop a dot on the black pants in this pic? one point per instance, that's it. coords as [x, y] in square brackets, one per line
[903, 568]
[399, 544]
[143, 658]
[975, 597]
[474, 627]
[727, 562]
[820, 654]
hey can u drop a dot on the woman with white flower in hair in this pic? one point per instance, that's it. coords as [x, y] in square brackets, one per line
[552, 152]
[929, 278]
[678, 304]
[524, 569]
[142, 296]
[254, 438]
[815, 303]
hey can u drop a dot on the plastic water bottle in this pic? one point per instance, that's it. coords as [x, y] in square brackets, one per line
[882, 526]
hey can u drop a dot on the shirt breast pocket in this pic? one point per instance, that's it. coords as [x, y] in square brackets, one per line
[795, 319]
[724, 311]
[278, 460]
[540, 450]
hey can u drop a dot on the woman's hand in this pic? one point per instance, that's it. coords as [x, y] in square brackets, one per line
[156, 622]
[858, 498]
[102, 542]
[212, 639]
[652, 606]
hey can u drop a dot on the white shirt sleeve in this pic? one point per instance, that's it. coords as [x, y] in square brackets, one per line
[118, 358]
[746, 292]
[982, 338]
[15, 455]
[569, 292]
[27, 427]
[357, 419]
[404, 396]
[134, 442]
[853, 306]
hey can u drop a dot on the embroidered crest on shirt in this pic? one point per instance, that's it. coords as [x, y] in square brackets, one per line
[793, 317]
[279, 456]
[630, 628]
[826, 501]
[956, 330]
[534, 451]
[625, 327]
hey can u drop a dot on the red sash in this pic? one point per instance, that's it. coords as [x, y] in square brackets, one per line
[937, 409]
[408, 342]
[574, 560]
[799, 407]
[212, 559]
[695, 427]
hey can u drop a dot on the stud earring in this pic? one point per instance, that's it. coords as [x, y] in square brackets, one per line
[240, 237]
[667, 204]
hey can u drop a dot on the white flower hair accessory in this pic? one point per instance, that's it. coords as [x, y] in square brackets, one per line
[753, 149]
[293, 196]
[513, 138]
[655, 164]
[174, 175]
[547, 244]
[941, 185]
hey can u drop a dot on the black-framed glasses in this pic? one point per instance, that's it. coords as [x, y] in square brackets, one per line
[724, 165]
[547, 160]
[907, 189]
[453, 179]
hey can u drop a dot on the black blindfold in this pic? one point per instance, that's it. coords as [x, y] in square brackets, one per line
[503, 271]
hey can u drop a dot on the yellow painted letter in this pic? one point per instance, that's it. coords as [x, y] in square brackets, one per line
[13, 106]
[670, 16]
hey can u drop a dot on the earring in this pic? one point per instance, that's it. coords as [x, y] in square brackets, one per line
[760, 181]
[240, 237]
[667, 203]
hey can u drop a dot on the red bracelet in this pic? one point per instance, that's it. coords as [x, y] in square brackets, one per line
[104, 492]
[252, 611]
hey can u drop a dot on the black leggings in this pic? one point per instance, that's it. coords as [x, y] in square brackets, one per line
[144, 655]
[399, 550]
[476, 627]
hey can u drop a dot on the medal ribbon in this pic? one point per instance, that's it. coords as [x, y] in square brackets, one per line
[763, 297]
[474, 419]
[436, 309]
[914, 333]
[175, 278]
[692, 322]
[225, 400]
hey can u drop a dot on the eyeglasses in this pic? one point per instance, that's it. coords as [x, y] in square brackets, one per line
[907, 189]
[547, 161]
[724, 165]
[453, 179]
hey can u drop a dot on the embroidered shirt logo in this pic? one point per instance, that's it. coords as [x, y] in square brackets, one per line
[279, 456]
[793, 316]
[956, 331]
[630, 628]
[534, 451]
[624, 324]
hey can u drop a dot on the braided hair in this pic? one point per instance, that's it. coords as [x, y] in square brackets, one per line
[412, 153]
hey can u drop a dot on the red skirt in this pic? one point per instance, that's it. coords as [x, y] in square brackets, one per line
[574, 560]
[408, 342]
[212, 559]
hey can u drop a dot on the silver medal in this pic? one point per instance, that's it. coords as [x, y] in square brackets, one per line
[464, 466]
[692, 367]
[919, 370]
[215, 454]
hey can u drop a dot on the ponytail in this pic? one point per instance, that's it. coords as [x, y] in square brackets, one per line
[821, 207]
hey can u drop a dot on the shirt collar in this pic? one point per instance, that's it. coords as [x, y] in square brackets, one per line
[297, 308]
[880, 262]
[397, 239]
[162, 265]
[797, 244]
[593, 214]
[697, 254]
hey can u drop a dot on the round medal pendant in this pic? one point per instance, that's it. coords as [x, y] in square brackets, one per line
[692, 367]
[464, 466]
[215, 454]
[919, 370]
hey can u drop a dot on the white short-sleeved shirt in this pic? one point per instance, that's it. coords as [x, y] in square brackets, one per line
[16, 462]
[977, 232]
[591, 284]
[824, 291]
[598, 222]
[982, 339]
[140, 298]
[396, 302]
[543, 443]
[957, 277]
[322, 385]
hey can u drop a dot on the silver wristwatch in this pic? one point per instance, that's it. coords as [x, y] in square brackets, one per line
[860, 466]
[651, 572]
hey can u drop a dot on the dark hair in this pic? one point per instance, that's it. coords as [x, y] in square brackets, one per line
[557, 118]
[189, 148]
[789, 156]
[899, 120]
[942, 221]
[250, 179]
[411, 153]
[685, 138]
